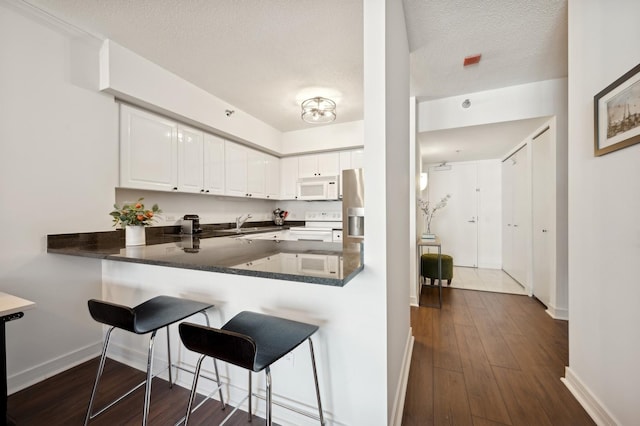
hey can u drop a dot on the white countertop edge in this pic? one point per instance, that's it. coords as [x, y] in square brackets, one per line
[10, 304]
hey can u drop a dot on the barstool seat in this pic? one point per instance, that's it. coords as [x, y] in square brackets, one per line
[252, 341]
[147, 317]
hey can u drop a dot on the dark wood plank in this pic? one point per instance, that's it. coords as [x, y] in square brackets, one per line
[484, 395]
[419, 398]
[498, 353]
[451, 406]
[523, 406]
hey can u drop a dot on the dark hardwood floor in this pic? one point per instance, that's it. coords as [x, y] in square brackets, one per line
[488, 359]
[63, 399]
[483, 359]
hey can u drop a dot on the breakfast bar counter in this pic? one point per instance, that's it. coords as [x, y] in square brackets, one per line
[302, 261]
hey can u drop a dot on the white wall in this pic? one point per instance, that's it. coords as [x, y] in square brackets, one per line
[210, 208]
[539, 99]
[386, 132]
[322, 138]
[604, 230]
[58, 168]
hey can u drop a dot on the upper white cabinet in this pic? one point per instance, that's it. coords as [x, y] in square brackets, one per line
[159, 154]
[325, 164]
[190, 163]
[214, 166]
[272, 177]
[250, 173]
[289, 178]
[148, 151]
[256, 173]
[357, 159]
[235, 157]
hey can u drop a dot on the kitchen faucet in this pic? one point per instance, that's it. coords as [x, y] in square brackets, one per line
[240, 220]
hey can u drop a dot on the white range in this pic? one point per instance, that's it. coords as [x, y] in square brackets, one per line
[319, 226]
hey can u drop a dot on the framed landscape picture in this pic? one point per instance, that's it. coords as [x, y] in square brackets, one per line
[617, 114]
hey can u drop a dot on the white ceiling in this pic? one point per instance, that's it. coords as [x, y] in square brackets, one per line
[266, 56]
[470, 143]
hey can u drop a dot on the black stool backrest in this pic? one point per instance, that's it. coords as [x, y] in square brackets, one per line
[228, 346]
[112, 314]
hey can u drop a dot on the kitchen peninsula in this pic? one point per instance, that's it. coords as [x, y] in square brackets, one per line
[298, 280]
[303, 261]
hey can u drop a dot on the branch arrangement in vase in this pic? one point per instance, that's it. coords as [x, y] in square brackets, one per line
[429, 212]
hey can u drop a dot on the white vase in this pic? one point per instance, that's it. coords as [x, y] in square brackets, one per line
[134, 235]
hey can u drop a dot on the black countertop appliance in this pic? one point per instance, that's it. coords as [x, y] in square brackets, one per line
[191, 224]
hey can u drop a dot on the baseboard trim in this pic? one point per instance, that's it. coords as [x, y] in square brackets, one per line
[559, 314]
[401, 390]
[413, 301]
[589, 402]
[40, 372]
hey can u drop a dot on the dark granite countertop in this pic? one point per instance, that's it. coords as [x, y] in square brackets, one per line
[302, 261]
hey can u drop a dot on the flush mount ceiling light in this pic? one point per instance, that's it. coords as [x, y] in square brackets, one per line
[318, 110]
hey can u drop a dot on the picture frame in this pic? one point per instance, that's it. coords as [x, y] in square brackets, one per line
[617, 114]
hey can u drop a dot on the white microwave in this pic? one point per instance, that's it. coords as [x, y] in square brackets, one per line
[318, 188]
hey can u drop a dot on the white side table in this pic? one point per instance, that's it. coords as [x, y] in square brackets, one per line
[11, 308]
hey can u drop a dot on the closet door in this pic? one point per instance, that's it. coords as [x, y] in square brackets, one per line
[543, 186]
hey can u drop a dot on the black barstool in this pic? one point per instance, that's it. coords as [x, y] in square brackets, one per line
[252, 341]
[148, 317]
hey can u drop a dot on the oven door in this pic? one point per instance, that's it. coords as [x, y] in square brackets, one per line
[311, 234]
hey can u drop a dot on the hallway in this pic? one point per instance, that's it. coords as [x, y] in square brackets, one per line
[487, 359]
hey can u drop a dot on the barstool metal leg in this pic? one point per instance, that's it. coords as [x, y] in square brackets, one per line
[315, 378]
[192, 395]
[250, 397]
[147, 390]
[268, 408]
[169, 358]
[103, 358]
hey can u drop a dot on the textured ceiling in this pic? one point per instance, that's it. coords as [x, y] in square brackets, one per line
[266, 56]
[521, 41]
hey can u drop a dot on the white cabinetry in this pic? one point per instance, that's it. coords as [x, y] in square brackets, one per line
[148, 151]
[288, 178]
[190, 164]
[272, 177]
[350, 160]
[250, 173]
[214, 166]
[235, 157]
[159, 154]
[325, 164]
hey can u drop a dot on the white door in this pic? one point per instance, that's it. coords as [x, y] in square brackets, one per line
[235, 167]
[190, 163]
[256, 173]
[148, 151]
[329, 164]
[288, 178]
[457, 223]
[543, 180]
[213, 164]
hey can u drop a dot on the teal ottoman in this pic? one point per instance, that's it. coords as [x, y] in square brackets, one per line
[429, 267]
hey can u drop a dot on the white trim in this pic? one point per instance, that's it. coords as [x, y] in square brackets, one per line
[413, 301]
[558, 314]
[401, 390]
[587, 399]
[40, 372]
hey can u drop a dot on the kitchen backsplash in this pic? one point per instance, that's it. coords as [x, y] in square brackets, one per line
[219, 209]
